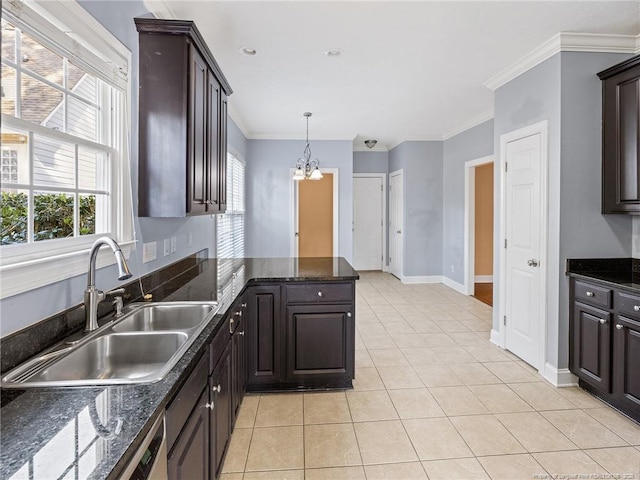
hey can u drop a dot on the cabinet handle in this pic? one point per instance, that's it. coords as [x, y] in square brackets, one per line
[590, 294]
[619, 327]
[349, 314]
[603, 321]
[216, 389]
[209, 405]
[636, 308]
[319, 294]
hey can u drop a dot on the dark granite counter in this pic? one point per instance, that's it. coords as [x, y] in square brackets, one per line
[90, 432]
[614, 272]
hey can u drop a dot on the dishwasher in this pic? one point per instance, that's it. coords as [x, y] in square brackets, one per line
[150, 461]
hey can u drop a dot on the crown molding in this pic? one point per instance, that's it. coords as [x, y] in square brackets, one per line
[472, 122]
[280, 136]
[566, 42]
[426, 138]
[160, 9]
[363, 148]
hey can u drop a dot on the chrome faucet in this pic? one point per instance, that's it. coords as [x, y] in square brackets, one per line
[93, 296]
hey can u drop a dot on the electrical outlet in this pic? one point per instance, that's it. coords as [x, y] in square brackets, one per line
[174, 246]
[167, 246]
[149, 252]
[189, 239]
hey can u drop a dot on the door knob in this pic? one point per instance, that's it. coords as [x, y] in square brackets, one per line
[532, 263]
[398, 231]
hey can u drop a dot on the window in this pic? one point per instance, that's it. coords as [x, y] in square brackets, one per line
[65, 166]
[230, 225]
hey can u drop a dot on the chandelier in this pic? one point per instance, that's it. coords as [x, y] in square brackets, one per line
[306, 167]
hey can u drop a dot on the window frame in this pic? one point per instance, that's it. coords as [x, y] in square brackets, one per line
[24, 267]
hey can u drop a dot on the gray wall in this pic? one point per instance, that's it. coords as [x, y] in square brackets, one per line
[370, 162]
[565, 91]
[269, 202]
[20, 311]
[477, 142]
[421, 163]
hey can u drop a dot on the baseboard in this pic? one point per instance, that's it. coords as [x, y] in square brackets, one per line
[559, 377]
[458, 287]
[385, 268]
[483, 279]
[495, 337]
[422, 279]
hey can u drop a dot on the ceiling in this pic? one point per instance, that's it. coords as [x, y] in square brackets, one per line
[406, 71]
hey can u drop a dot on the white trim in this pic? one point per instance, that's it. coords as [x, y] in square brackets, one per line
[234, 115]
[361, 147]
[399, 172]
[469, 220]
[285, 136]
[294, 210]
[565, 42]
[458, 287]
[411, 279]
[495, 337]
[560, 378]
[160, 9]
[483, 278]
[425, 138]
[541, 128]
[472, 122]
[383, 178]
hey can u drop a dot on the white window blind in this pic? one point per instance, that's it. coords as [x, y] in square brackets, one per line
[230, 225]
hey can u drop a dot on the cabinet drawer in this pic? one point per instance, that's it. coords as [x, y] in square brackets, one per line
[320, 293]
[628, 304]
[593, 294]
[219, 343]
[181, 406]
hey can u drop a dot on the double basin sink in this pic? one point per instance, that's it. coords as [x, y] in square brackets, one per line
[142, 346]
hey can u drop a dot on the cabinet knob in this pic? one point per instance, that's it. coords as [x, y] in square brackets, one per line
[319, 294]
[243, 305]
[619, 327]
[241, 333]
[590, 294]
[238, 313]
[636, 308]
[603, 321]
[209, 405]
[349, 314]
[216, 389]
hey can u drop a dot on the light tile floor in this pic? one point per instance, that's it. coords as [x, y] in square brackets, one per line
[432, 398]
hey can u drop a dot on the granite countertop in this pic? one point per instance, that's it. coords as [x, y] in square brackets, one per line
[615, 272]
[91, 432]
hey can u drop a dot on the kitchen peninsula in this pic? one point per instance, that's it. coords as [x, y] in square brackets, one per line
[298, 316]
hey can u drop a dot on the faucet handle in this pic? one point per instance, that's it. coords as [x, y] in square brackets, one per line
[118, 303]
[115, 291]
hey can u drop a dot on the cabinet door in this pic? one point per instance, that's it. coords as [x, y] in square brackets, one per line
[222, 155]
[621, 140]
[198, 159]
[220, 388]
[320, 341]
[264, 325]
[189, 458]
[238, 368]
[213, 142]
[626, 360]
[590, 347]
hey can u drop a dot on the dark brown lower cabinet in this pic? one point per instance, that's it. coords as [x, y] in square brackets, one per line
[264, 335]
[238, 368]
[626, 362]
[592, 345]
[220, 387]
[320, 340]
[189, 458]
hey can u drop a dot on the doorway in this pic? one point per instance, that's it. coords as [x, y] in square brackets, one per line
[369, 215]
[315, 216]
[396, 223]
[524, 158]
[478, 230]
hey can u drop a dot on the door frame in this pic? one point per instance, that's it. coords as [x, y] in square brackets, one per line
[470, 220]
[541, 128]
[385, 229]
[399, 172]
[293, 218]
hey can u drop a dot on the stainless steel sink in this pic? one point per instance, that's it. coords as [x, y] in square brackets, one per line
[159, 317]
[140, 347]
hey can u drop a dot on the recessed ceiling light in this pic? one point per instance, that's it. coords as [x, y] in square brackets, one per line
[249, 52]
[334, 52]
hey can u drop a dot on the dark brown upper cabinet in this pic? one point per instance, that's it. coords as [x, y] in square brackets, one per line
[183, 122]
[621, 137]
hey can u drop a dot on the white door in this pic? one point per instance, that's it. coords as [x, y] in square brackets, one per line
[367, 223]
[395, 223]
[522, 257]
